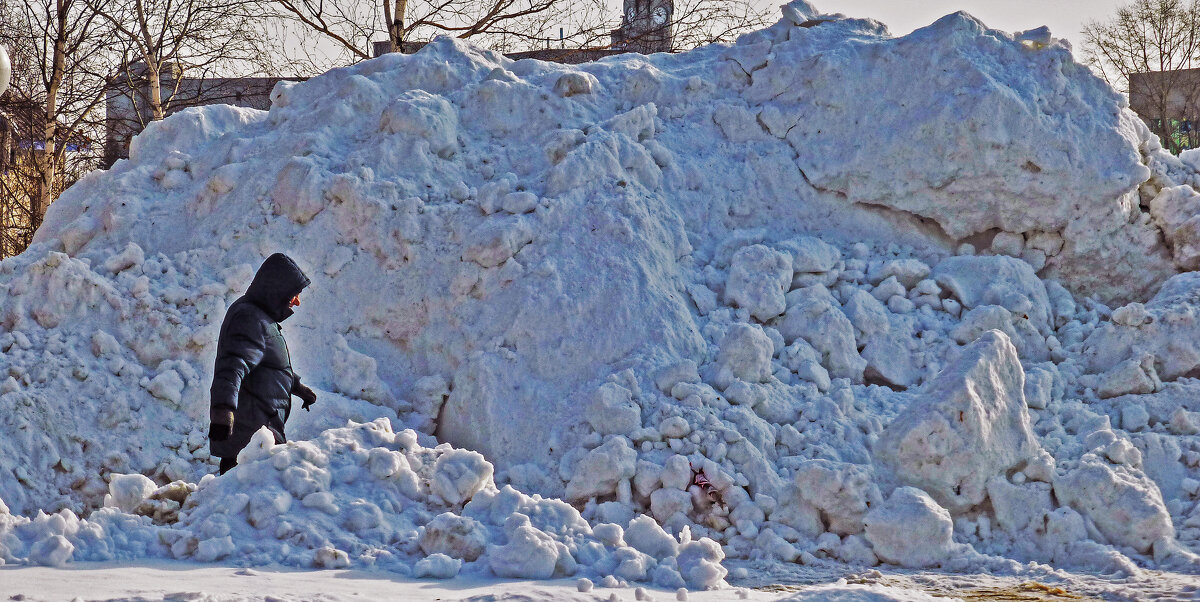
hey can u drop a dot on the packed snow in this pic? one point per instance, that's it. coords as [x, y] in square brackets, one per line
[821, 297]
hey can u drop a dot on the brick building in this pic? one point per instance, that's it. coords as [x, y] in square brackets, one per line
[1169, 103]
[646, 27]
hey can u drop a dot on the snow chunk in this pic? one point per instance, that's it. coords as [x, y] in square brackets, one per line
[458, 474]
[1135, 375]
[646, 536]
[299, 191]
[1039, 386]
[574, 83]
[104, 344]
[674, 427]
[1133, 314]
[1125, 505]
[167, 386]
[437, 566]
[427, 117]
[454, 536]
[529, 553]
[128, 491]
[321, 500]
[215, 548]
[676, 473]
[683, 371]
[330, 558]
[968, 424]
[811, 255]
[1169, 330]
[799, 12]
[1030, 345]
[996, 280]
[258, 448]
[745, 355]
[384, 463]
[1177, 286]
[54, 551]
[1019, 506]
[613, 411]
[355, 374]
[1174, 210]
[1008, 243]
[890, 358]
[866, 313]
[910, 529]
[602, 468]
[519, 202]
[699, 563]
[907, 272]
[815, 319]
[888, 289]
[131, 257]
[665, 503]
[842, 492]
[496, 240]
[758, 279]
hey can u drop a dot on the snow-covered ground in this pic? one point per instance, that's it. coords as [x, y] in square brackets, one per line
[196, 582]
[819, 303]
[188, 581]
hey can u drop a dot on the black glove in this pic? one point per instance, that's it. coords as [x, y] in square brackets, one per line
[220, 426]
[306, 394]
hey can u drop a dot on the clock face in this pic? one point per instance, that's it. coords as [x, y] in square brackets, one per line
[660, 15]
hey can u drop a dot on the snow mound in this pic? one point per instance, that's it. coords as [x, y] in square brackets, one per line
[664, 289]
[365, 496]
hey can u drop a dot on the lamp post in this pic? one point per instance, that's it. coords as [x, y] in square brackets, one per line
[5, 70]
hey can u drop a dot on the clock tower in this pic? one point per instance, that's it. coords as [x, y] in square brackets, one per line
[645, 26]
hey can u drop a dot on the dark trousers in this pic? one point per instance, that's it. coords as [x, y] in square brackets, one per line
[227, 463]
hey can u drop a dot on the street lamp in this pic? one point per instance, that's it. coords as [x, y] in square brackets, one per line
[5, 70]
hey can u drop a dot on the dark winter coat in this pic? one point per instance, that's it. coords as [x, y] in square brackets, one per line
[253, 375]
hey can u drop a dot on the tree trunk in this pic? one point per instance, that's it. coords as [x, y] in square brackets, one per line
[155, 83]
[396, 25]
[152, 54]
[47, 165]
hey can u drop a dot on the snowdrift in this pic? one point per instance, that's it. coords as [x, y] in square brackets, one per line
[803, 298]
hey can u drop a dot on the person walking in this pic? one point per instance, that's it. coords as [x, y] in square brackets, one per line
[253, 381]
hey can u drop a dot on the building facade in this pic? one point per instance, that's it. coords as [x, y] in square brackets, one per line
[1169, 103]
[646, 27]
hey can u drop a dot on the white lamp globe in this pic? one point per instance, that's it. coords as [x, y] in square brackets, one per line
[5, 70]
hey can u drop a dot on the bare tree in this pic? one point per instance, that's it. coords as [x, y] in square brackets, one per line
[1149, 50]
[498, 24]
[505, 25]
[168, 40]
[51, 110]
[700, 22]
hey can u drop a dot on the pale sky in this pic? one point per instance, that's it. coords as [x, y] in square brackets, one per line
[1064, 17]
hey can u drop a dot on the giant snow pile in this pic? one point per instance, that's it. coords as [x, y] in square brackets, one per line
[824, 295]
